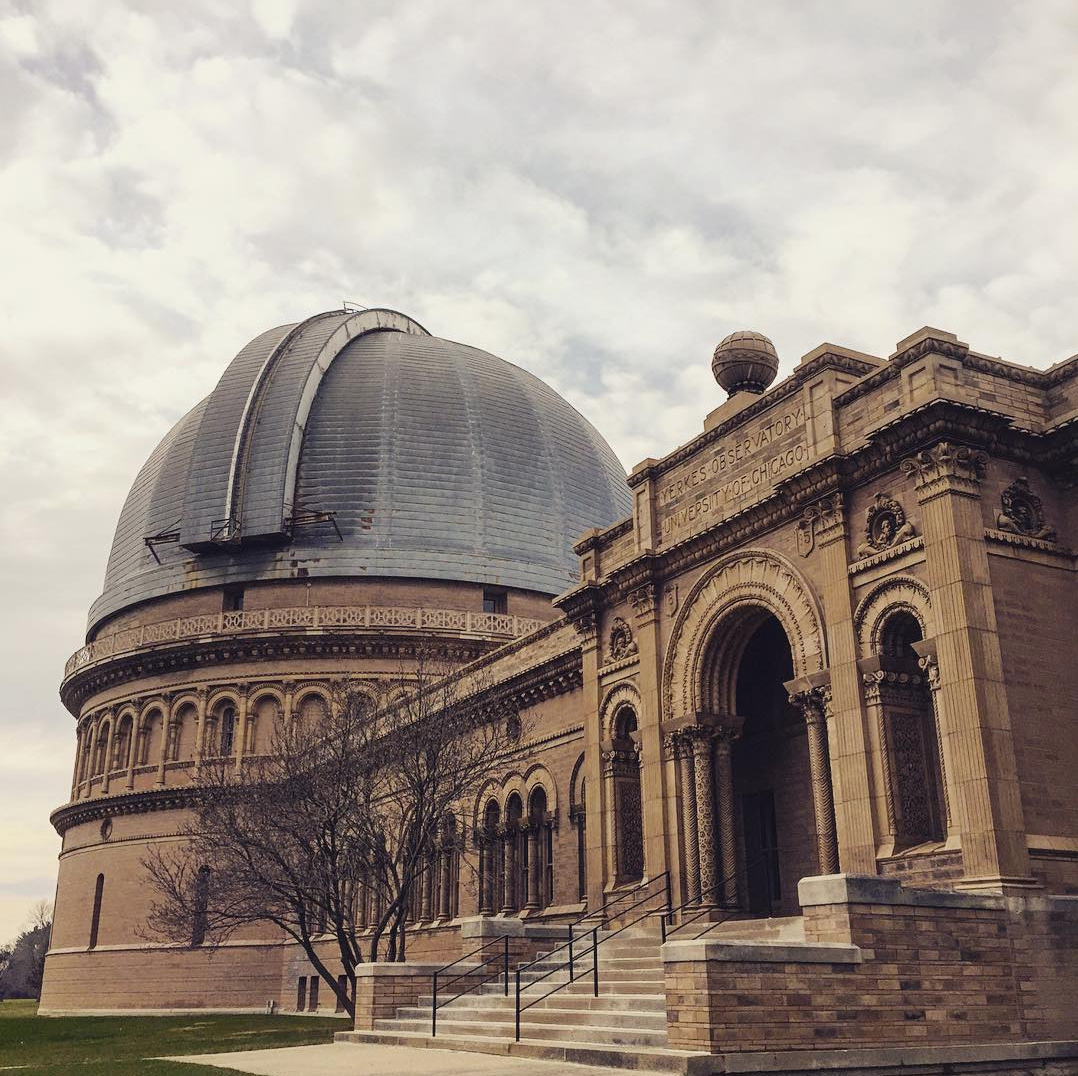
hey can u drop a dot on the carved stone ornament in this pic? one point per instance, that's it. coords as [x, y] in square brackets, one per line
[642, 599]
[946, 468]
[886, 525]
[1023, 513]
[622, 643]
[824, 519]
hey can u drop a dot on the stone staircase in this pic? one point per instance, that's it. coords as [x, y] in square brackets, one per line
[625, 1026]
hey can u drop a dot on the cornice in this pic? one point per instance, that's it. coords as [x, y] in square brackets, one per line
[160, 799]
[281, 645]
[883, 451]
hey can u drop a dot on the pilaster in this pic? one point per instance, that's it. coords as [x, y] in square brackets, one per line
[653, 784]
[976, 735]
[825, 524]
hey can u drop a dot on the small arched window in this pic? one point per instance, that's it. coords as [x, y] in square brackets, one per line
[95, 915]
[228, 731]
[100, 747]
[200, 906]
[899, 633]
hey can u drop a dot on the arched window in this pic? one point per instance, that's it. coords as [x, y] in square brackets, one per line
[100, 747]
[914, 775]
[540, 849]
[228, 731]
[148, 747]
[121, 746]
[514, 849]
[200, 906]
[87, 751]
[578, 814]
[490, 862]
[95, 915]
[623, 769]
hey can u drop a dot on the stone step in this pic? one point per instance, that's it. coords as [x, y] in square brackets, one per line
[505, 1015]
[486, 1028]
[639, 1058]
[652, 985]
[565, 999]
[784, 928]
[605, 961]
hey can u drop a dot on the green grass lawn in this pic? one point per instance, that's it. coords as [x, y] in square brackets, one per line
[119, 1045]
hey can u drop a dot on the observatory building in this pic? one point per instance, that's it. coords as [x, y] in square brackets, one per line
[811, 678]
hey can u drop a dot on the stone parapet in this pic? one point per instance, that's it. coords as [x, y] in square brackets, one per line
[883, 966]
[302, 618]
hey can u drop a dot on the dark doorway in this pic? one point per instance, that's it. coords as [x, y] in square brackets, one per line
[771, 775]
[763, 879]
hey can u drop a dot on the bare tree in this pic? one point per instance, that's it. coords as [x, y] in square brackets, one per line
[22, 964]
[350, 802]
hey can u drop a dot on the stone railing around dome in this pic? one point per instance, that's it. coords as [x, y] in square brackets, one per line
[303, 617]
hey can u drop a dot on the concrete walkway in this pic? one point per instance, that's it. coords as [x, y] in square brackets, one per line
[370, 1059]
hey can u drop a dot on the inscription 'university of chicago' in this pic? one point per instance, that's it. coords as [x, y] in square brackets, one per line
[769, 445]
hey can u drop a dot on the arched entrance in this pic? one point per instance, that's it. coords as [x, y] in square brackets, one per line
[752, 772]
[771, 774]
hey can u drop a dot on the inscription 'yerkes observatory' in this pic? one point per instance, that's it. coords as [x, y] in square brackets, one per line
[738, 471]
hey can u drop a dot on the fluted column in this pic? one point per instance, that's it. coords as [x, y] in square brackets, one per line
[509, 857]
[704, 773]
[727, 829]
[690, 848]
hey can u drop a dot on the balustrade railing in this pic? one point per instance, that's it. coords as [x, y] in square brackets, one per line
[313, 617]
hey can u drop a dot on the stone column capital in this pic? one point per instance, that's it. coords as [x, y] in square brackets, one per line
[643, 600]
[930, 666]
[946, 468]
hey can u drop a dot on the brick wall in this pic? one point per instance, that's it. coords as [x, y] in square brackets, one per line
[883, 966]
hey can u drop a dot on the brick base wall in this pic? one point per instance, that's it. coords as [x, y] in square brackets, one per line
[883, 966]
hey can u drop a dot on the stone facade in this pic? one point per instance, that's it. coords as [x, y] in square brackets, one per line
[835, 637]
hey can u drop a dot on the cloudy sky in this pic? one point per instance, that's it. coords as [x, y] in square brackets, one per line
[598, 191]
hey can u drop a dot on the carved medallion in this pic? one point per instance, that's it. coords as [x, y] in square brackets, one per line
[1023, 512]
[622, 643]
[885, 525]
[806, 533]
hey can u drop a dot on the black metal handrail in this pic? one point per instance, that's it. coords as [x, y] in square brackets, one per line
[502, 958]
[707, 909]
[570, 963]
[602, 911]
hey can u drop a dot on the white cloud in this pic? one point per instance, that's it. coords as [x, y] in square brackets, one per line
[598, 192]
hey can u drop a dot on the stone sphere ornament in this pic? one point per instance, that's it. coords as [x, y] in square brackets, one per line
[745, 362]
